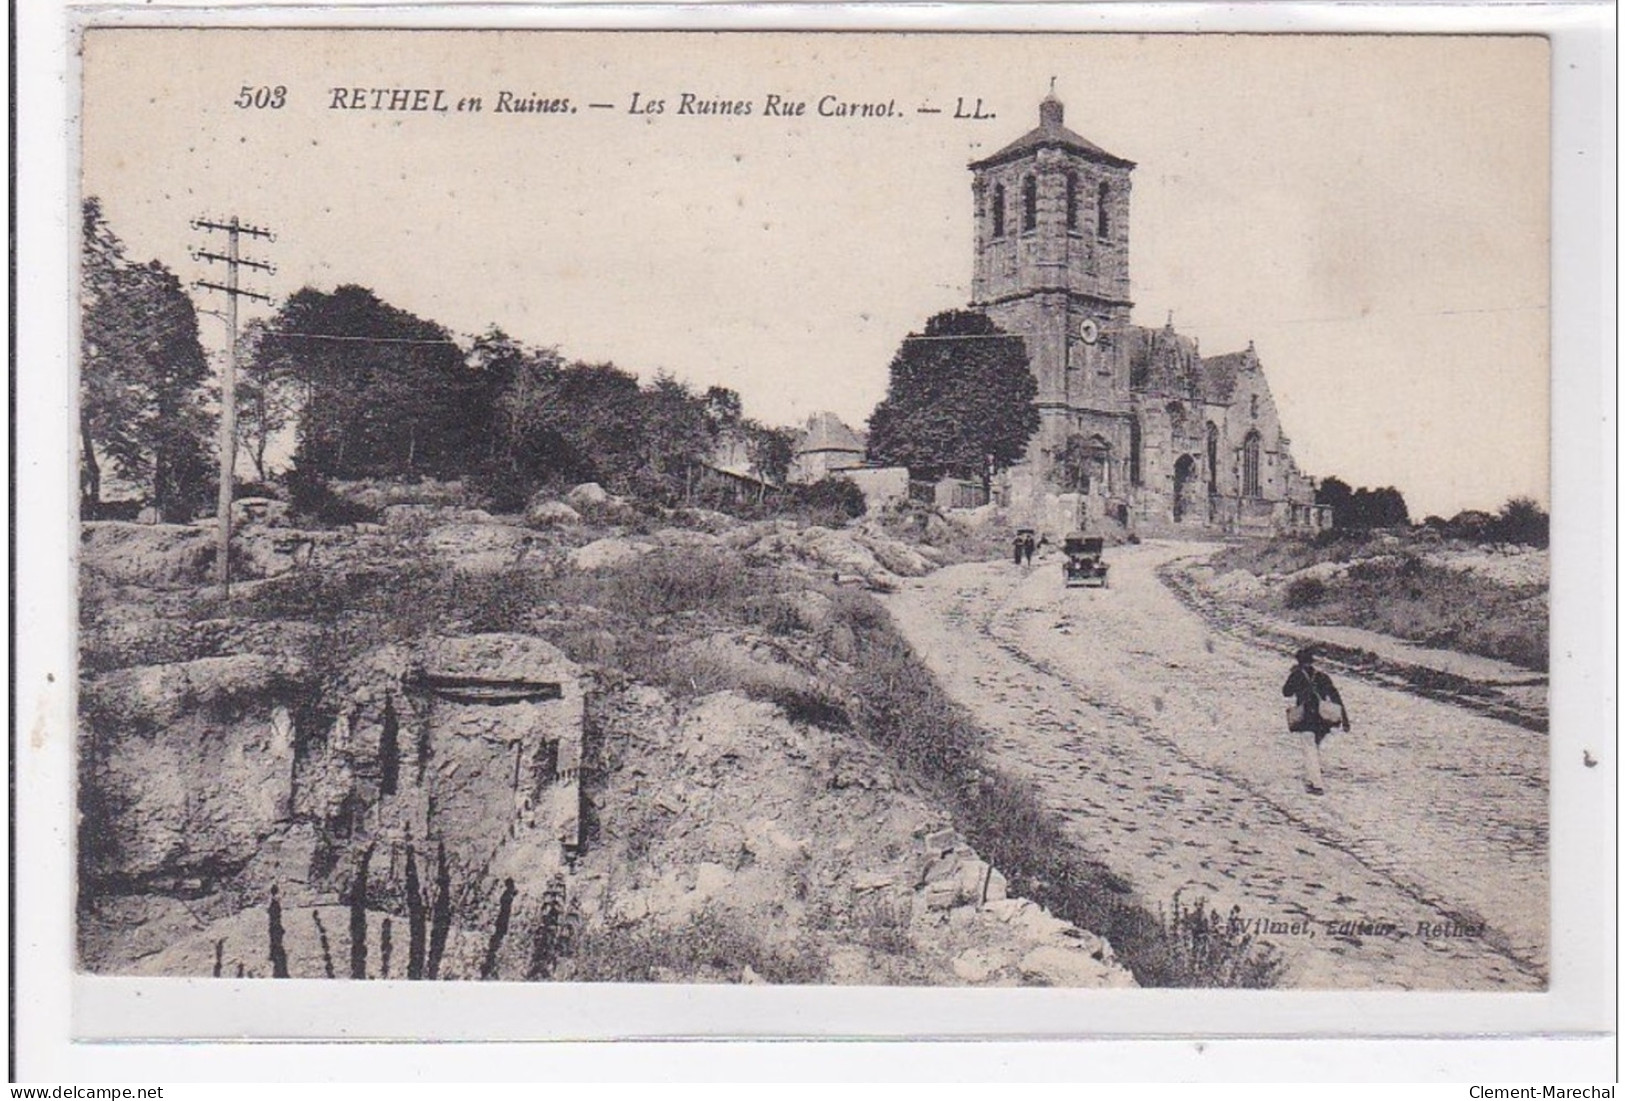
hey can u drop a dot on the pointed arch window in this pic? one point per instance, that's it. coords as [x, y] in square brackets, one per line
[1103, 218]
[1134, 445]
[1212, 458]
[1071, 200]
[1250, 454]
[1029, 204]
[998, 210]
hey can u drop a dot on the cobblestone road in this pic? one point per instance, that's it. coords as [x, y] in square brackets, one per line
[1163, 745]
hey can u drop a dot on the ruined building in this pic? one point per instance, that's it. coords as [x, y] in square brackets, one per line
[1137, 429]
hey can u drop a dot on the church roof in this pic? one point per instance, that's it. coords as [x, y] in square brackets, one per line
[827, 432]
[1219, 376]
[1050, 134]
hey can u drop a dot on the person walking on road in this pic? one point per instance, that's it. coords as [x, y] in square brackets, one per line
[1317, 708]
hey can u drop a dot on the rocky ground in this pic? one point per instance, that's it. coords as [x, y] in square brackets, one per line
[1159, 736]
[757, 792]
[270, 751]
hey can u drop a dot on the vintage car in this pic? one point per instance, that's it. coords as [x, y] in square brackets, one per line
[1084, 563]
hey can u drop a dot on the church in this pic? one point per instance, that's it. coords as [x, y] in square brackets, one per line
[1139, 432]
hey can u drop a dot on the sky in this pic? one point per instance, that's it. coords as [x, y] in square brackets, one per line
[1371, 211]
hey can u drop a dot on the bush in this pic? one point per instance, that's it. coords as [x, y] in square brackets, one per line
[501, 489]
[1304, 592]
[1523, 521]
[841, 495]
[1205, 949]
[314, 499]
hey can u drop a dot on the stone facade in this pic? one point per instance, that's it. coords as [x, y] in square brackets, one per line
[1134, 424]
[825, 446]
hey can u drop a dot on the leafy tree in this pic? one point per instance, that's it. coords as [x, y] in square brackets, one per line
[723, 409]
[1335, 493]
[771, 450]
[1471, 524]
[596, 411]
[676, 435]
[956, 406]
[383, 392]
[555, 421]
[1363, 508]
[519, 388]
[267, 396]
[1521, 520]
[143, 378]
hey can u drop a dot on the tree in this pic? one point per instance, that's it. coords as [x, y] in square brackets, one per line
[771, 450]
[1521, 520]
[676, 436]
[1335, 493]
[551, 420]
[383, 392]
[143, 378]
[956, 406]
[1363, 508]
[723, 409]
[519, 388]
[596, 410]
[267, 395]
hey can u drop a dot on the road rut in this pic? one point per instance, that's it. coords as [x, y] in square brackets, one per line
[1162, 746]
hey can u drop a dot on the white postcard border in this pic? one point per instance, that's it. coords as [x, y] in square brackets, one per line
[56, 1005]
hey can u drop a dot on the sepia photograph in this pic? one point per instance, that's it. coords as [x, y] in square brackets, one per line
[813, 509]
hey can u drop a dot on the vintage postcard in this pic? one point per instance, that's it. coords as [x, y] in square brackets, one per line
[809, 509]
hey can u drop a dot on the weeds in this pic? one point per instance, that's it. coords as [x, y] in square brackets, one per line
[554, 931]
[881, 921]
[712, 946]
[1205, 949]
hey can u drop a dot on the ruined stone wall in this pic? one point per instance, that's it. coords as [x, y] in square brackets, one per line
[219, 779]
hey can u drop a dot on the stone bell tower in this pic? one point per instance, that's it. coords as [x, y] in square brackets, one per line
[1052, 249]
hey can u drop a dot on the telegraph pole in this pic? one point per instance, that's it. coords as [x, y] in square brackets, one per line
[234, 231]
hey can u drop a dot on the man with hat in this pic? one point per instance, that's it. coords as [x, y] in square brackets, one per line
[1317, 709]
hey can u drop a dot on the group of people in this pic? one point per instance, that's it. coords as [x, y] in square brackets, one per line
[1026, 546]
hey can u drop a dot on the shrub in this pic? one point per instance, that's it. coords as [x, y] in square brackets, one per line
[881, 921]
[1304, 592]
[831, 502]
[1202, 948]
[501, 489]
[1523, 521]
[314, 499]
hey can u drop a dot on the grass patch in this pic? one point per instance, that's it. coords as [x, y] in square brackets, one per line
[712, 946]
[1390, 588]
[1438, 607]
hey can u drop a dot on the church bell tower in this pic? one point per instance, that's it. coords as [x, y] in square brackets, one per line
[1052, 250]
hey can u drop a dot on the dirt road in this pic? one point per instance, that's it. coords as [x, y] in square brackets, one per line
[1163, 746]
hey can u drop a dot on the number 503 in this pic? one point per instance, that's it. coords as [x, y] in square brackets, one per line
[262, 97]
